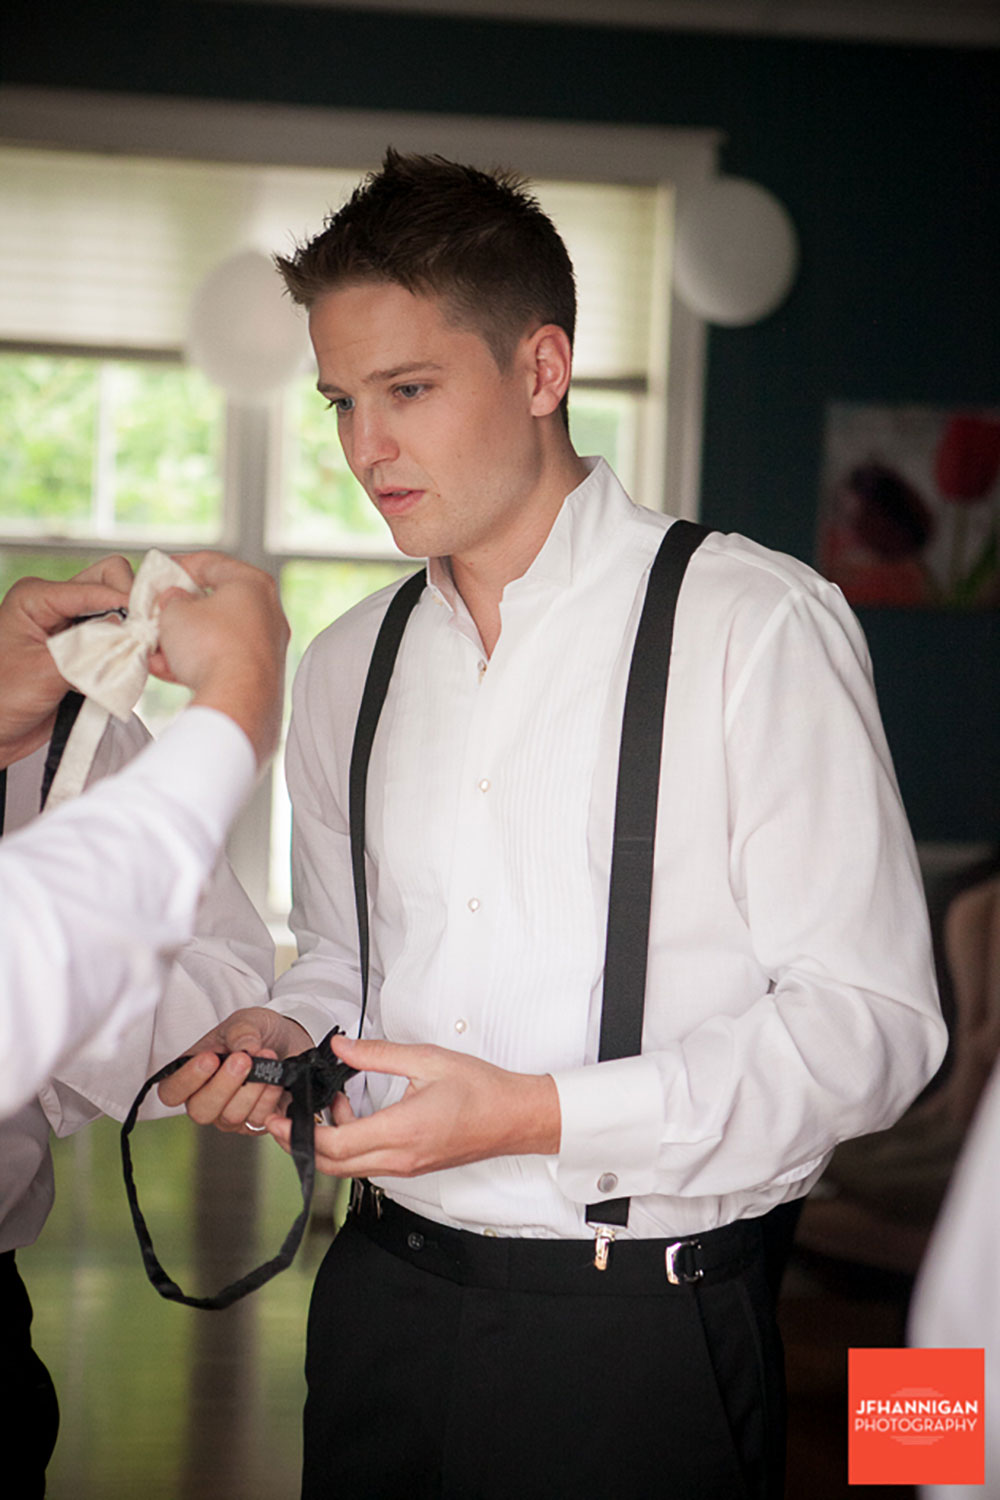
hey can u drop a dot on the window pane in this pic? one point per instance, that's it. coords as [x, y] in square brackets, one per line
[610, 232]
[607, 423]
[313, 594]
[109, 448]
[322, 507]
[167, 423]
[48, 436]
[15, 564]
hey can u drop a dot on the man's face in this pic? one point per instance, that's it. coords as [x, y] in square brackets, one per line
[443, 441]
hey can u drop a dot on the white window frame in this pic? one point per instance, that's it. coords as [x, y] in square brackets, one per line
[673, 161]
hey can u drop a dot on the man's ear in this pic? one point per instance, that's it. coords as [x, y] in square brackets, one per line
[551, 365]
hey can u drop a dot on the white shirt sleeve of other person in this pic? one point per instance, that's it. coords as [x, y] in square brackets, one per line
[98, 899]
[956, 1304]
[790, 998]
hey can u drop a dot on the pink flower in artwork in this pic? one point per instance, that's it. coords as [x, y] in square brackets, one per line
[968, 458]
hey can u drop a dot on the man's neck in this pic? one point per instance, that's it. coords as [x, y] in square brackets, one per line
[481, 578]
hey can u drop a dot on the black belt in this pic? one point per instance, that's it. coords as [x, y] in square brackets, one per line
[636, 1267]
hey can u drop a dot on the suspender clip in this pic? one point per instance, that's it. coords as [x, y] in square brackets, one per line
[604, 1237]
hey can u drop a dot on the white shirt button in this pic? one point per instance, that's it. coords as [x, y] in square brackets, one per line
[482, 669]
[607, 1182]
[474, 903]
[484, 785]
[460, 1025]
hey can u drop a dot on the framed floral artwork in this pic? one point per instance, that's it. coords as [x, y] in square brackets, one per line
[910, 505]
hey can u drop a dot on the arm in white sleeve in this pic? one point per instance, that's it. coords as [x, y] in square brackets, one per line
[845, 1027]
[956, 1303]
[96, 898]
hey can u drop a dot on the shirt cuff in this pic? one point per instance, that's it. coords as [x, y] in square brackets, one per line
[310, 1015]
[612, 1122]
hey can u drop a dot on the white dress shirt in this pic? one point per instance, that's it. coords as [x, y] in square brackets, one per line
[790, 997]
[120, 872]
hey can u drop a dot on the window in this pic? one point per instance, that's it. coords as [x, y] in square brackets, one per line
[114, 443]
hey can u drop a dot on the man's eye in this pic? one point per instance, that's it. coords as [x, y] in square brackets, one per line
[409, 391]
[341, 405]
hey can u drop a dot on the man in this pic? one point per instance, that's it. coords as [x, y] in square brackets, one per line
[98, 897]
[462, 1341]
[96, 900]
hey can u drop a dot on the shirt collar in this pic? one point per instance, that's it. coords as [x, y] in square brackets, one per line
[589, 519]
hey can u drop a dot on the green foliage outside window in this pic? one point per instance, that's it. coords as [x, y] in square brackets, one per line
[48, 436]
[314, 593]
[168, 430]
[109, 447]
[604, 423]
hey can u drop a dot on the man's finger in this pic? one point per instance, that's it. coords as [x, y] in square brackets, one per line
[341, 1110]
[174, 595]
[404, 1061]
[210, 569]
[114, 571]
[160, 667]
[209, 1105]
[57, 606]
[328, 1141]
[179, 1087]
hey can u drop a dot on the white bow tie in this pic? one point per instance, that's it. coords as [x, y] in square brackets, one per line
[107, 659]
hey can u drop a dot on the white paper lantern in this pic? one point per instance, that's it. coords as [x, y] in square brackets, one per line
[735, 252]
[244, 333]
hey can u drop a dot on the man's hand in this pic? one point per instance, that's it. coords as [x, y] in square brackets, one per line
[30, 683]
[457, 1109]
[229, 646]
[213, 1092]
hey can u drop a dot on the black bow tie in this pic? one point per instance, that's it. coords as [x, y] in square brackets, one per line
[312, 1078]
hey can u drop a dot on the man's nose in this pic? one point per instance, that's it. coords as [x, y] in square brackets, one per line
[371, 439]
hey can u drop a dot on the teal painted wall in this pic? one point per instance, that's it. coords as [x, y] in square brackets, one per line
[885, 156]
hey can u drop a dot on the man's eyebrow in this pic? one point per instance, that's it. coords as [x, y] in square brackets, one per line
[378, 377]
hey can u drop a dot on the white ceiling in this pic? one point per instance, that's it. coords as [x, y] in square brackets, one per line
[949, 22]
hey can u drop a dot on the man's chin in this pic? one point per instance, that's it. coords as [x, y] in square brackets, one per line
[410, 537]
[409, 545]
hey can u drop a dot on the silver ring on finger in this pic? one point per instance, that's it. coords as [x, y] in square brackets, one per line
[257, 1129]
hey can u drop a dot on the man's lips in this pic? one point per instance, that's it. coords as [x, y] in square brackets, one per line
[397, 501]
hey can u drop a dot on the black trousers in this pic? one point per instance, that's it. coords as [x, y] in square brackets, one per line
[431, 1375]
[29, 1411]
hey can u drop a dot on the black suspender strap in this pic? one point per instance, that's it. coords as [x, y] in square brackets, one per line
[66, 716]
[65, 719]
[631, 887]
[376, 686]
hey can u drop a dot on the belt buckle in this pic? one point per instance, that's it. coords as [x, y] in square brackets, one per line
[675, 1275]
